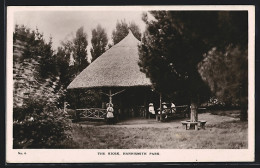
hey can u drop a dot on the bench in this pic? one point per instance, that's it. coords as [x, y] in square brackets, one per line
[194, 125]
[190, 125]
[202, 124]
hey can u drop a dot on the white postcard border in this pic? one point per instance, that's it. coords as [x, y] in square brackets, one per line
[165, 155]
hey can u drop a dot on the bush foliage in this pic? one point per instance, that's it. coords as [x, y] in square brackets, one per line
[43, 130]
[37, 120]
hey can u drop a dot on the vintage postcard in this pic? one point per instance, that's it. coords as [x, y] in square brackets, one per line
[117, 84]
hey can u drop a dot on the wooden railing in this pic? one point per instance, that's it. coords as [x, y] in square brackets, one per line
[91, 113]
[180, 109]
[141, 111]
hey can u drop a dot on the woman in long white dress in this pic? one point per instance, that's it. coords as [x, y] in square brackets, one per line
[110, 114]
[151, 110]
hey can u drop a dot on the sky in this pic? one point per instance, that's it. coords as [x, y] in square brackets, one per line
[61, 25]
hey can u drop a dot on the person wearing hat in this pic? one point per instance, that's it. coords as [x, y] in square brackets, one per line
[173, 108]
[164, 106]
[164, 110]
[110, 115]
[151, 110]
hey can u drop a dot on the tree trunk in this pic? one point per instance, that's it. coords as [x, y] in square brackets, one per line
[194, 110]
[160, 106]
[76, 103]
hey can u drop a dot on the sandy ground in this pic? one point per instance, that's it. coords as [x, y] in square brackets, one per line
[221, 132]
[152, 123]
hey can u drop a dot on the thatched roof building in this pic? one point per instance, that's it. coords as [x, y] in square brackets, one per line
[117, 75]
[117, 67]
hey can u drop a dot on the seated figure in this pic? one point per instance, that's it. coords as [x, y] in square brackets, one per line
[164, 111]
[173, 108]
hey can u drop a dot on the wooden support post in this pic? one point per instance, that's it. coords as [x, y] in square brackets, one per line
[77, 106]
[196, 127]
[78, 99]
[110, 96]
[160, 106]
[145, 111]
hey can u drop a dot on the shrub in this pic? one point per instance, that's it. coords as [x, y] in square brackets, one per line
[44, 130]
[37, 122]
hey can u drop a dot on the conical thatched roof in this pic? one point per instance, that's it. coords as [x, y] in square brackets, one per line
[117, 67]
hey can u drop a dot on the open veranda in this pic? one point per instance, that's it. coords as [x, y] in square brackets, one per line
[224, 130]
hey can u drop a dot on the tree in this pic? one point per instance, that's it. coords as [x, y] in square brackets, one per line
[30, 44]
[226, 74]
[135, 30]
[122, 30]
[80, 44]
[72, 57]
[38, 123]
[36, 97]
[225, 66]
[169, 55]
[175, 43]
[99, 42]
[66, 73]
[47, 60]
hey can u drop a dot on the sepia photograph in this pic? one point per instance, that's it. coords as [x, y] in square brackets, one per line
[135, 84]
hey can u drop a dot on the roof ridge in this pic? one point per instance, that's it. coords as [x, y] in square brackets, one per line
[117, 67]
[129, 40]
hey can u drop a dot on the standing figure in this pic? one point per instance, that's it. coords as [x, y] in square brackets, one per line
[151, 110]
[110, 115]
[173, 108]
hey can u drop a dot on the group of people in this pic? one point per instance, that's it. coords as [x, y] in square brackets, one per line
[110, 117]
[164, 110]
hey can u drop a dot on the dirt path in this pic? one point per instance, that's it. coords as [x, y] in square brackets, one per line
[152, 123]
[222, 132]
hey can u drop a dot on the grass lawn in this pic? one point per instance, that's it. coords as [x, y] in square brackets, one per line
[222, 132]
